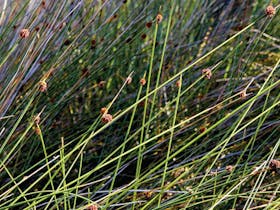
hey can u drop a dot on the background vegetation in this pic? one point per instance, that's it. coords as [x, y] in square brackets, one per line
[190, 116]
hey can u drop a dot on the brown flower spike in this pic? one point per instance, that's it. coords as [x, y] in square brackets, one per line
[106, 118]
[24, 33]
[270, 11]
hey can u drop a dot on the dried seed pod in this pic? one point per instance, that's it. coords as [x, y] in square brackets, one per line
[106, 118]
[24, 33]
[43, 86]
[142, 81]
[270, 11]
[207, 73]
[103, 110]
[159, 18]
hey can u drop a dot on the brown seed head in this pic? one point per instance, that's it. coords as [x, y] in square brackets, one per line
[149, 24]
[103, 110]
[43, 86]
[101, 84]
[37, 130]
[142, 81]
[93, 42]
[207, 73]
[229, 168]
[274, 164]
[178, 83]
[159, 18]
[24, 33]
[270, 11]
[106, 118]
[143, 36]
[243, 94]
[148, 194]
[202, 129]
[37, 119]
[43, 4]
[128, 80]
[92, 207]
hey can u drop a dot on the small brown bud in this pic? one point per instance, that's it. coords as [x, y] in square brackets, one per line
[142, 81]
[270, 11]
[207, 73]
[24, 33]
[43, 86]
[103, 110]
[159, 18]
[106, 118]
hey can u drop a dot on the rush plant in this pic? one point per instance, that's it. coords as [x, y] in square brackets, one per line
[139, 104]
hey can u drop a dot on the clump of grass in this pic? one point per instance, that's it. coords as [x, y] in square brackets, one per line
[139, 104]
